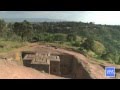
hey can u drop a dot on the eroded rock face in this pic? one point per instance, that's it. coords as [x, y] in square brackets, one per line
[71, 68]
[78, 71]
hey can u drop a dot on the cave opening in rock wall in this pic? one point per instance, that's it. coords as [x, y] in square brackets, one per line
[67, 66]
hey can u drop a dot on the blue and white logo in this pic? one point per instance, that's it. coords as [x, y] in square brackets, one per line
[110, 71]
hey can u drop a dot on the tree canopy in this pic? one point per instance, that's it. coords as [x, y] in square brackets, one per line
[103, 40]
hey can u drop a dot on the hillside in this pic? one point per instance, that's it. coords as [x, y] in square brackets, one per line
[85, 37]
[91, 46]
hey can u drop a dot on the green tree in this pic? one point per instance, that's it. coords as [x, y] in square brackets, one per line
[87, 44]
[2, 25]
[3, 28]
[94, 46]
[59, 37]
[24, 30]
[71, 37]
[98, 48]
[76, 43]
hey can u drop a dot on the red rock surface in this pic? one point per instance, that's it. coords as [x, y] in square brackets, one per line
[11, 70]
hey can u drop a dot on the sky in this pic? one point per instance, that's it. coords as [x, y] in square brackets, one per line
[98, 17]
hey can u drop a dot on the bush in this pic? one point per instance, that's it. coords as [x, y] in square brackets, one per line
[71, 37]
[113, 57]
[94, 46]
[1, 46]
[14, 37]
[87, 44]
[59, 37]
[76, 43]
[98, 48]
[91, 53]
[83, 51]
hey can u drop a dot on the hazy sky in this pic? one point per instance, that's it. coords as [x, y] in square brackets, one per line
[99, 17]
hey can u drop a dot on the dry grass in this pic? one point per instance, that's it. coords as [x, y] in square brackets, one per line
[6, 46]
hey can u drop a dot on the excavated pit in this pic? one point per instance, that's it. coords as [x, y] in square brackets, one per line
[71, 68]
[66, 66]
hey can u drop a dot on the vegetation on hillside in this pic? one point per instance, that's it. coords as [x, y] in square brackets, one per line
[98, 41]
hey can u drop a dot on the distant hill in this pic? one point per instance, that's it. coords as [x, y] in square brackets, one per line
[32, 20]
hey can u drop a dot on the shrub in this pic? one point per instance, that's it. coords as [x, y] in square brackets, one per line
[59, 37]
[98, 48]
[94, 46]
[76, 43]
[71, 37]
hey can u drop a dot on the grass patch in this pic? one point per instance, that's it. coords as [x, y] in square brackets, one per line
[9, 45]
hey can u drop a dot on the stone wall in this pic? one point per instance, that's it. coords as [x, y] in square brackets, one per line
[78, 71]
[42, 62]
[66, 65]
[70, 67]
[41, 67]
[55, 68]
